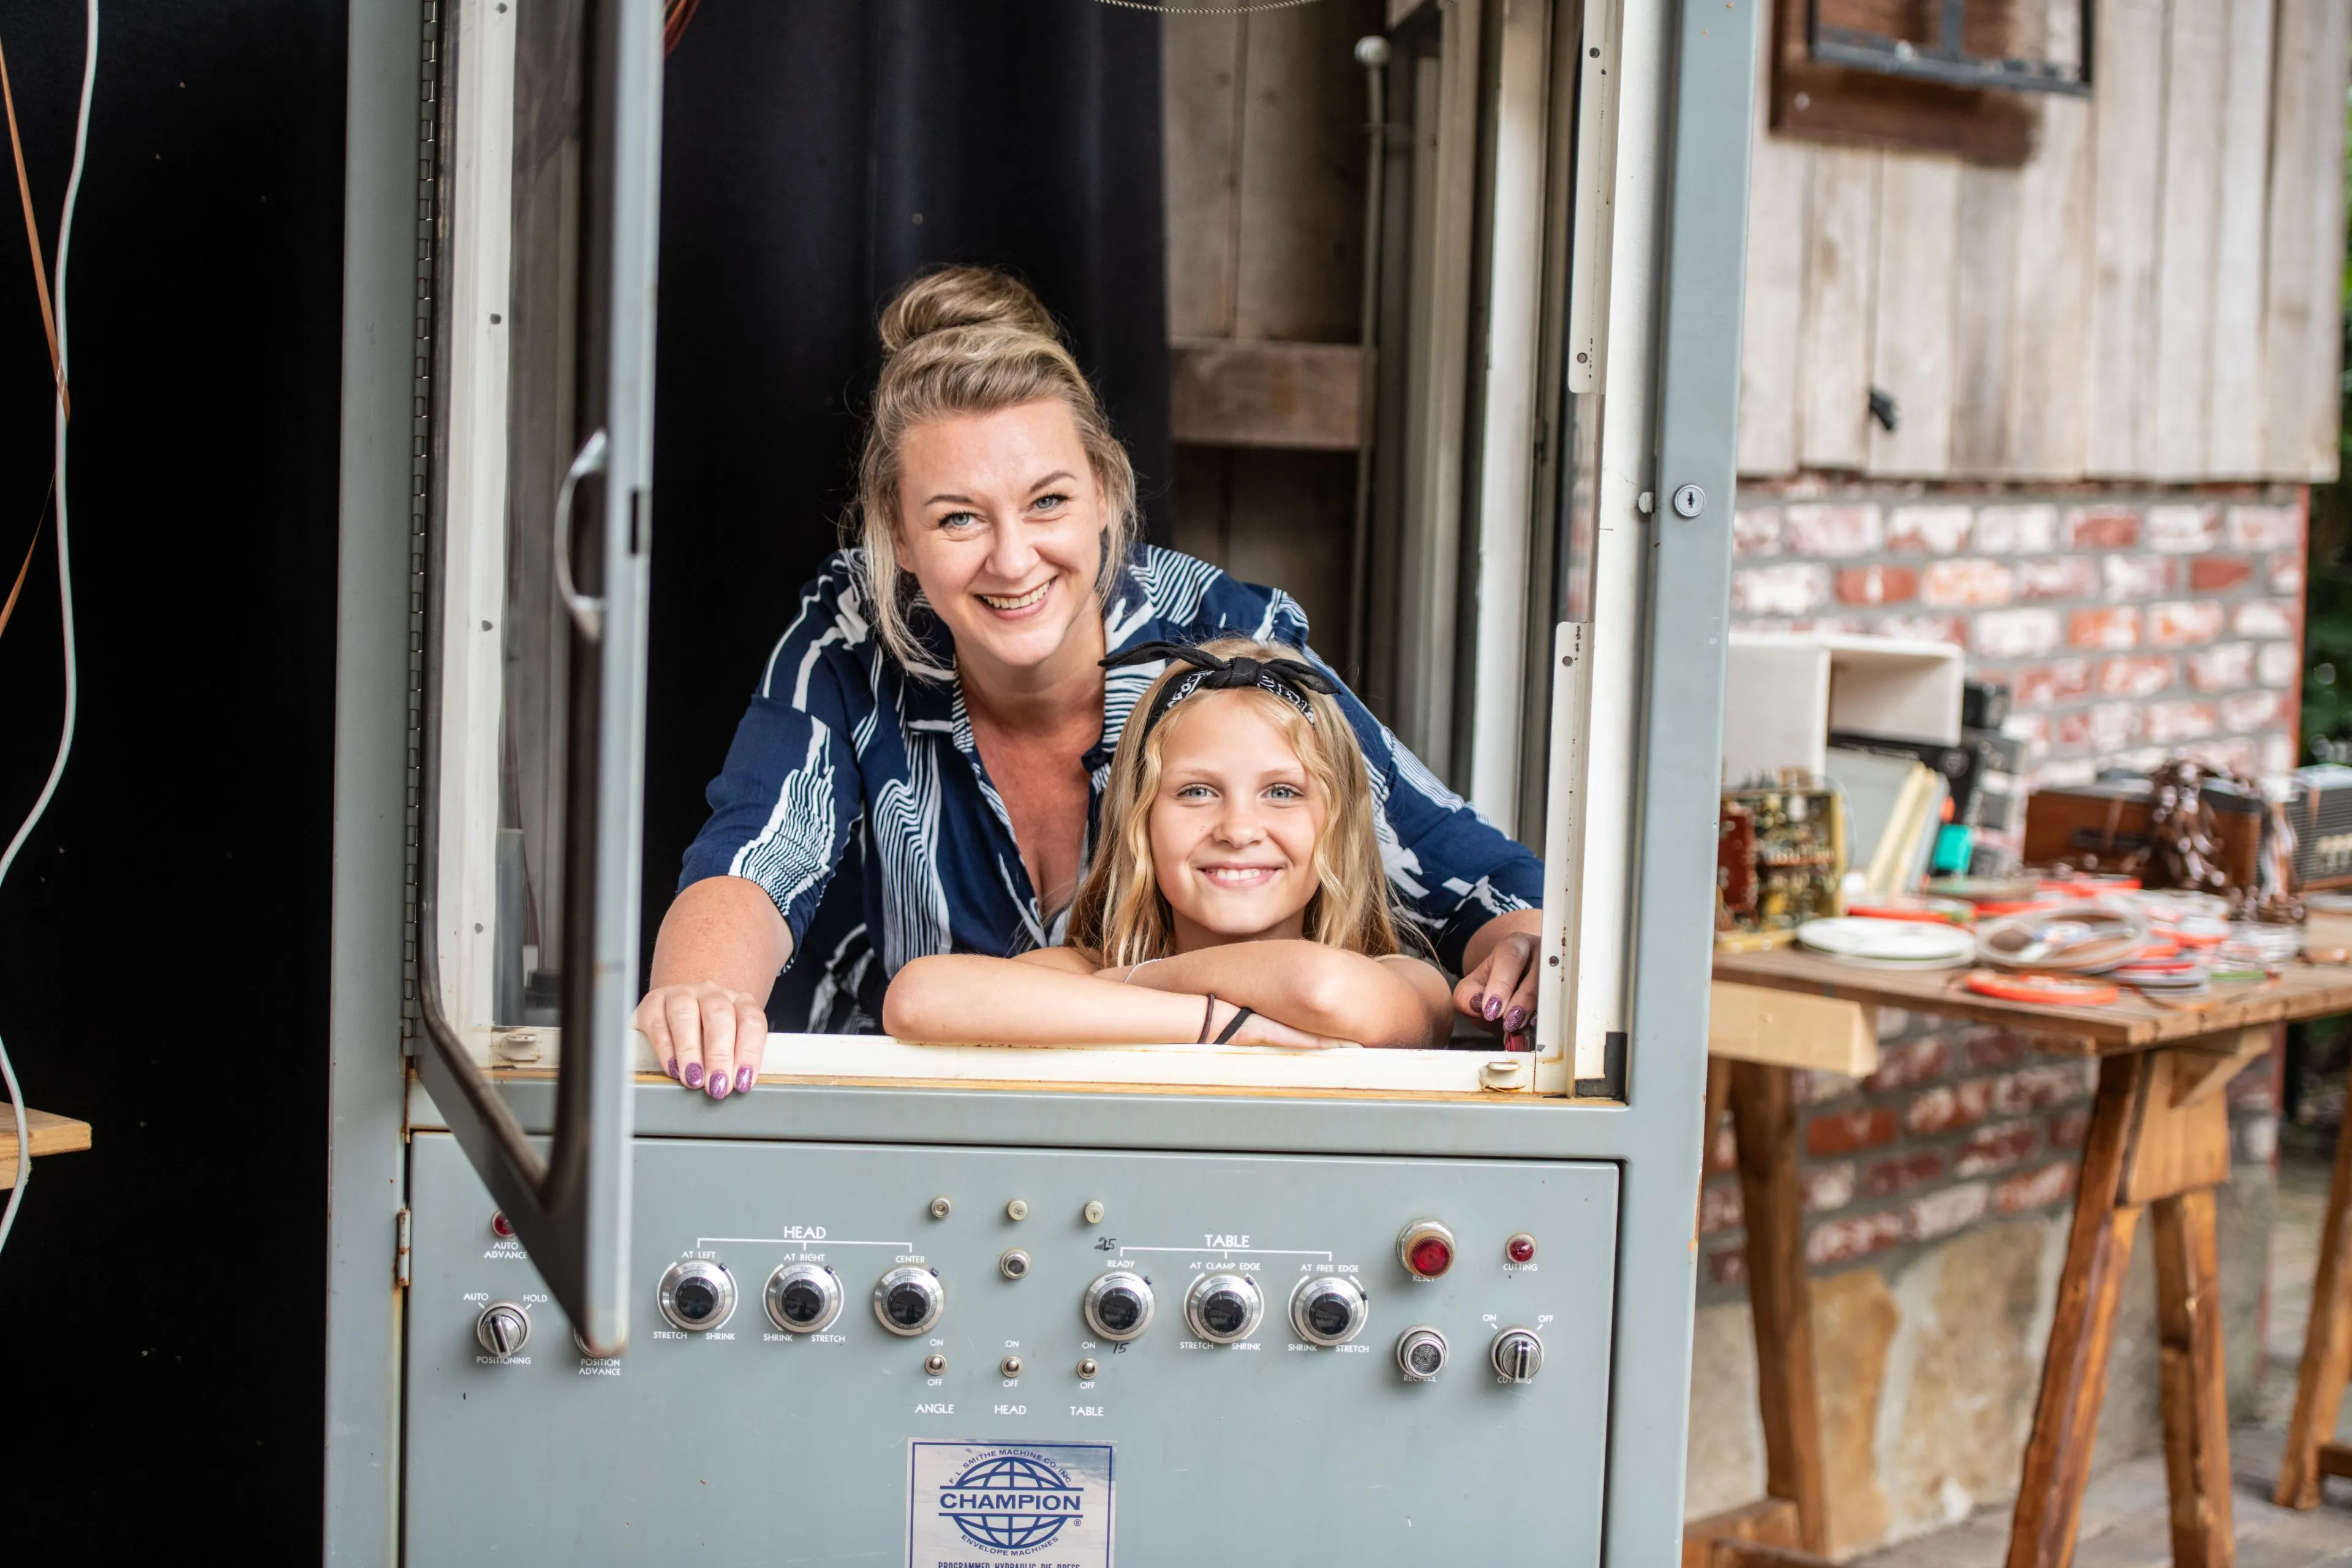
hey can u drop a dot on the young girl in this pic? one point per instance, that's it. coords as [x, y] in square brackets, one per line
[1236, 893]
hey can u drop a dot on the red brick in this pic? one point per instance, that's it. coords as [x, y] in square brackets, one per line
[2102, 528]
[2183, 529]
[1913, 1061]
[2218, 573]
[1844, 1132]
[2135, 577]
[2139, 675]
[1808, 1086]
[2235, 755]
[1947, 1106]
[1877, 584]
[1755, 530]
[2170, 723]
[2284, 573]
[2069, 1128]
[2046, 685]
[1728, 1266]
[1719, 1207]
[1790, 589]
[2177, 623]
[2275, 754]
[2244, 711]
[2266, 527]
[1990, 1048]
[1928, 628]
[2033, 1189]
[2104, 728]
[2251, 1090]
[1832, 530]
[1858, 1235]
[2280, 664]
[1942, 1213]
[1900, 1173]
[1996, 1148]
[1928, 530]
[2116, 629]
[2016, 634]
[1966, 582]
[2016, 530]
[2033, 728]
[2038, 1088]
[1827, 1188]
[2060, 578]
[2224, 666]
[2268, 618]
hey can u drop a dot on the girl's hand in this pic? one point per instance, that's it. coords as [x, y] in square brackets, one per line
[704, 1036]
[1500, 993]
[1260, 1030]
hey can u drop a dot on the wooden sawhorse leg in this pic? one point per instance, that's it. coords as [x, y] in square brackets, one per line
[2159, 1138]
[1795, 1512]
[2311, 1451]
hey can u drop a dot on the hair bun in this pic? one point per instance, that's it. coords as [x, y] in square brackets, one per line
[951, 297]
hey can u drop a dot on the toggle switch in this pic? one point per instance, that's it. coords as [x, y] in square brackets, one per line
[1518, 1355]
[503, 1329]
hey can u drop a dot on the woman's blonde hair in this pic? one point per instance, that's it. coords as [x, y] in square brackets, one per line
[972, 340]
[1120, 912]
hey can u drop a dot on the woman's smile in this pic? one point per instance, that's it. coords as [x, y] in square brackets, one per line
[1011, 605]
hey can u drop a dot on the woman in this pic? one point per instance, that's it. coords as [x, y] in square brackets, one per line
[939, 703]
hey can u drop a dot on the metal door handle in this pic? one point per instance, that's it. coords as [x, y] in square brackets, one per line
[587, 612]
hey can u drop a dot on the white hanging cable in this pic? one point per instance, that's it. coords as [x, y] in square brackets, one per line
[65, 596]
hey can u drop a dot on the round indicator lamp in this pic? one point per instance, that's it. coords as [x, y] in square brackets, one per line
[501, 1226]
[1520, 1248]
[1427, 1249]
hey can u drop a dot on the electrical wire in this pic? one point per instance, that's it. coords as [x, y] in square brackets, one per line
[65, 598]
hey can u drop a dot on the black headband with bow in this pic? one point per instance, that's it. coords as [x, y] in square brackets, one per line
[1288, 679]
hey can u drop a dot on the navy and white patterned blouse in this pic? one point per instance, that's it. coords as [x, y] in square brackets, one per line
[848, 763]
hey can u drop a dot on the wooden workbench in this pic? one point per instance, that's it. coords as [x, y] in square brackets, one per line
[50, 1134]
[2160, 1140]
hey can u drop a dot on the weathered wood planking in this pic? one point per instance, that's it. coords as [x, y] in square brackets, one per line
[2233, 367]
[2302, 341]
[1834, 352]
[2195, 71]
[1779, 191]
[2043, 428]
[1226, 393]
[1299, 258]
[1201, 66]
[1984, 306]
[2129, 116]
[1912, 337]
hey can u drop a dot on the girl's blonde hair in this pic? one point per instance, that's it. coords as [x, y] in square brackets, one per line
[972, 340]
[1120, 912]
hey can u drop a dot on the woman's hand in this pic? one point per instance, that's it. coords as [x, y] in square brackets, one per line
[1499, 991]
[704, 1036]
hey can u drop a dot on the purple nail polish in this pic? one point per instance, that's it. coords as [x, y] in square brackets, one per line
[670, 1067]
[694, 1075]
[1515, 1021]
[743, 1080]
[718, 1086]
[1494, 1008]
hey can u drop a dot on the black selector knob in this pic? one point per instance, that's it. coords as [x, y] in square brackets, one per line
[803, 1298]
[1328, 1311]
[697, 1295]
[908, 1299]
[1224, 1308]
[1119, 1305]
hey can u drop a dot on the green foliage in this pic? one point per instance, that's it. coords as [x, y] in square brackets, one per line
[2327, 590]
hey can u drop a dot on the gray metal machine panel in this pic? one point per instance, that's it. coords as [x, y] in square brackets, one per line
[723, 1449]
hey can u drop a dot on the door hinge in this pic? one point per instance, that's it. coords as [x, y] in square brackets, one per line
[400, 1251]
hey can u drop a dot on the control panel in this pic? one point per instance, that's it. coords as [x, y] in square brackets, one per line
[1280, 1354]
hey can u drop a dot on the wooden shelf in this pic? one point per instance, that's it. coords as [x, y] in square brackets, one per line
[52, 1135]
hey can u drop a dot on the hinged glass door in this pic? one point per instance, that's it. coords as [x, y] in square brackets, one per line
[542, 253]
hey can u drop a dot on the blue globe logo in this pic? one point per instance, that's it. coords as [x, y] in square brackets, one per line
[1011, 1502]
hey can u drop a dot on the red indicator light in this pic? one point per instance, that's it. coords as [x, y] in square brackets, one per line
[501, 1226]
[1430, 1257]
[1521, 1249]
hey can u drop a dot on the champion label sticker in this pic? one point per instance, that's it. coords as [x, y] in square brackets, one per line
[982, 1505]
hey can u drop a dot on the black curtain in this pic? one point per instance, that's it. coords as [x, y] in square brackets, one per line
[816, 155]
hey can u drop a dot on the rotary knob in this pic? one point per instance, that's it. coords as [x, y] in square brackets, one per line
[1118, 1306]
[1327, 1311]
[1518, 1355]
[503, 1329]
[1421, 1354]
[696, 1295]
[802, 1298]
[1224, 1308]
[908, 1299]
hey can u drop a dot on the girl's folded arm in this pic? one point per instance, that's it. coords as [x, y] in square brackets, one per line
[1322, 990]
[969, 998]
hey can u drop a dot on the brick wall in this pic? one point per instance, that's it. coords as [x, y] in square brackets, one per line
[2129, 625]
